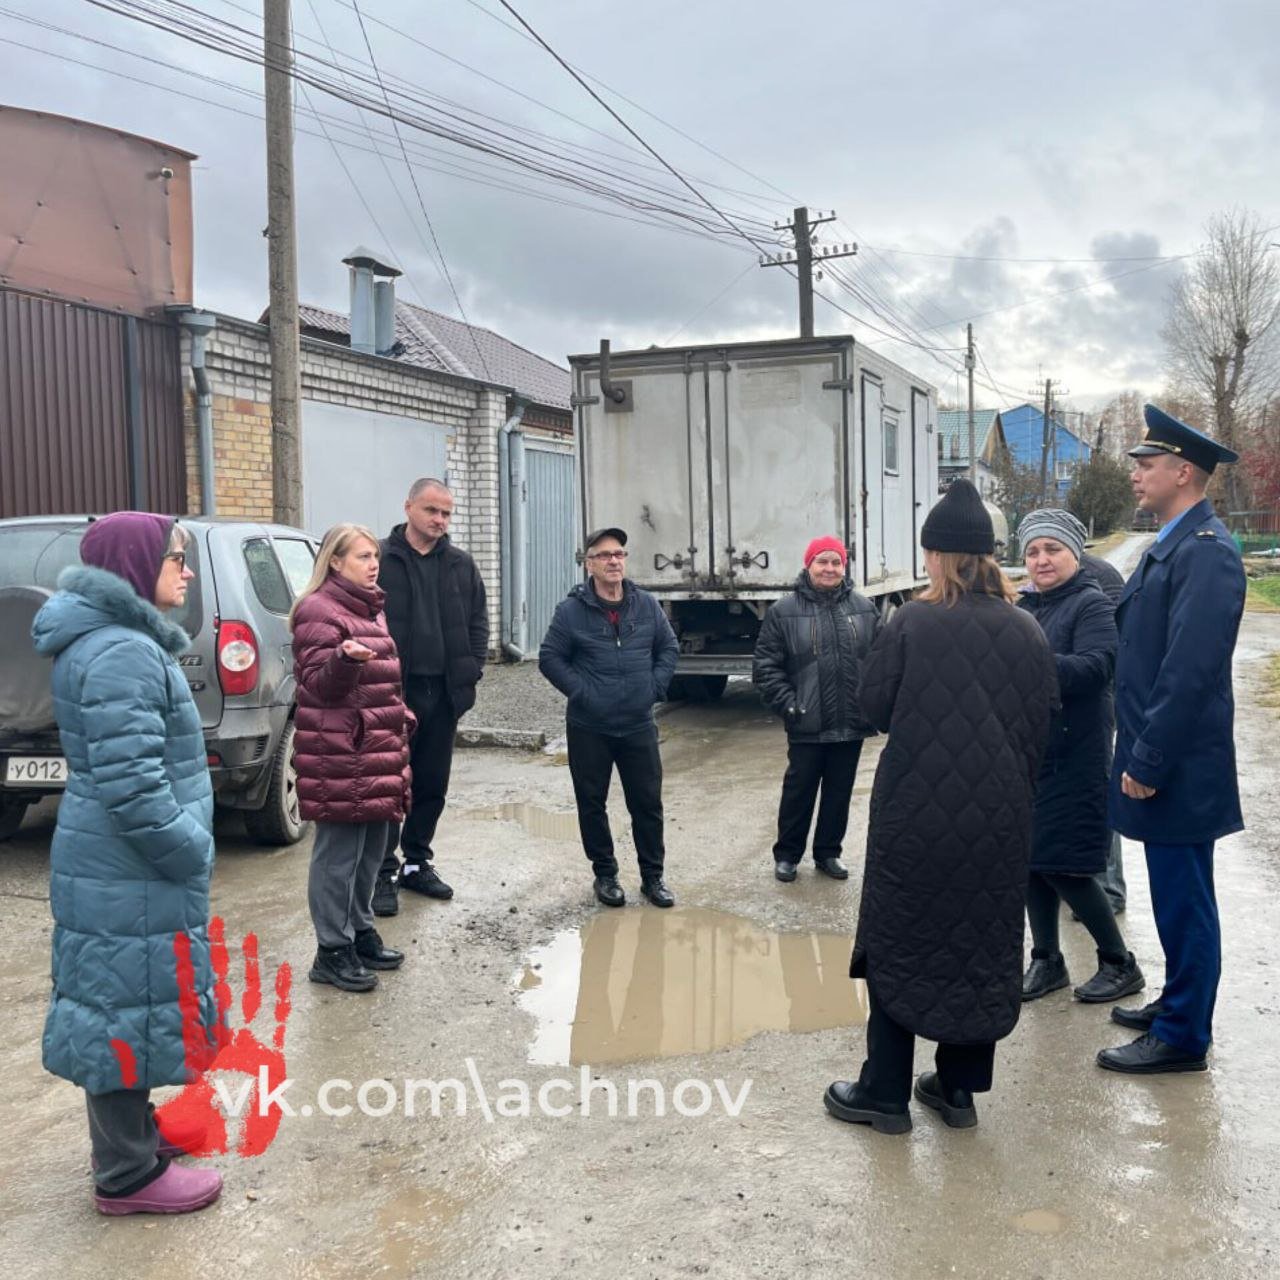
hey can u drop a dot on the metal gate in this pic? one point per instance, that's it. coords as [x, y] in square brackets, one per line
[90, 410]
[552, 533]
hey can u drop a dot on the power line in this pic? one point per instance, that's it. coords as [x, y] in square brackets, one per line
[751, 266]
[422, 204]
[675, 173]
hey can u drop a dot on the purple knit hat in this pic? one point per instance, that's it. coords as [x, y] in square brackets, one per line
[130, 544]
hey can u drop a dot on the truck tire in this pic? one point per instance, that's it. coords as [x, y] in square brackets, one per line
[278, 822]
[11, 814]
[697, 688]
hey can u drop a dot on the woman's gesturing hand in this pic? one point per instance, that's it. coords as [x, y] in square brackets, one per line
[356, 651]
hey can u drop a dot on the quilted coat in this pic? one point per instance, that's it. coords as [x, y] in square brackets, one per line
[965, 694]
[351, 750]
[133, 849]
[611, 675]
[1071, 833]
[808, 661]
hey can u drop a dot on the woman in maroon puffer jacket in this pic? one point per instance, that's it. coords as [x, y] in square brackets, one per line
[351, 751]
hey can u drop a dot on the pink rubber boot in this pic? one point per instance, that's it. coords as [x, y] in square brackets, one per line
[179, 1189]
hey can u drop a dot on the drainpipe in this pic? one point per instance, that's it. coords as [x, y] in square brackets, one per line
[512, 533]
[199, 324]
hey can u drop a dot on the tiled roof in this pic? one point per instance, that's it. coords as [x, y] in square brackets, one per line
[953, 425]
[434, 341]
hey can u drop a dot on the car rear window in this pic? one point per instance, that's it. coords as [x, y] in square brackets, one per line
[297, 559]
[269, 583]
[34, 555]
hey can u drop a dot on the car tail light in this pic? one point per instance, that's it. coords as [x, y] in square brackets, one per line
[237, 658]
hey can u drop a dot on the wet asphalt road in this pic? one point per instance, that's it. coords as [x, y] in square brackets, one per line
[1071, 1171]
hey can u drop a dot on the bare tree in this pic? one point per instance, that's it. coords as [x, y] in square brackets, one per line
[1222, 331]
[1120, 424]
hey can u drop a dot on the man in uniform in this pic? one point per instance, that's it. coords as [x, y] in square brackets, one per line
[1173, 782]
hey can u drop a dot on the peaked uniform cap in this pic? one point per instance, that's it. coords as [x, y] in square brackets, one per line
[1165, 434]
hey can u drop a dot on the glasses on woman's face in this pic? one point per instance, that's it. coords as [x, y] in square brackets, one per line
[607, 555]
[179, 558]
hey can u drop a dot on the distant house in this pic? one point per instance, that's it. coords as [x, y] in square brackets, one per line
[1024, 432]
[953, 446]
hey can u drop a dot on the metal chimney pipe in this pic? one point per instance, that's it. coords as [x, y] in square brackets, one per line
[362, 309]
[384, 316]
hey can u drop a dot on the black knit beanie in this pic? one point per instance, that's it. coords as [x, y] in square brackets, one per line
[959, 522]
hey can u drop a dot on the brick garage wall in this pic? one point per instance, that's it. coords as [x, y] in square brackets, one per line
[238, 362]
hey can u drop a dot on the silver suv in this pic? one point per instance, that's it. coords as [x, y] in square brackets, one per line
[239, 666]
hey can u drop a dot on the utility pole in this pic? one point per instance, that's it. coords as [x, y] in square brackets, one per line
[1049, 441]
[968, 364]
[282, 252]
[803, 256]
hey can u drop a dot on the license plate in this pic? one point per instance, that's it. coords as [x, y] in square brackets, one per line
[35, 771]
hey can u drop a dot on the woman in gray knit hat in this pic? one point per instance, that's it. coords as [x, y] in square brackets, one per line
[1071, 837]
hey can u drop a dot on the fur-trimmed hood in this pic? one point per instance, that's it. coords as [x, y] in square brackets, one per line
[88, 599]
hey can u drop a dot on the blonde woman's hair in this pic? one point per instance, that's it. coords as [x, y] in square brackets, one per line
[962, 574]
[337, 542]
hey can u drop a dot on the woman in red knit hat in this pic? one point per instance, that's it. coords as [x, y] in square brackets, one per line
[808, 661]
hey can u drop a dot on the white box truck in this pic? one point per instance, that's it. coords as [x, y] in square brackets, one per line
[722, 462]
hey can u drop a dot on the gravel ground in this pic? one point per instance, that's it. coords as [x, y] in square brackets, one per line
[513, 695]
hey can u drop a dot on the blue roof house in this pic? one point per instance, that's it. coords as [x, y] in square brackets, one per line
[1024, 434]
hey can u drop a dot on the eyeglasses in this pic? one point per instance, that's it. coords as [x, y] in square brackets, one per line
[179, 557]
[607, 555]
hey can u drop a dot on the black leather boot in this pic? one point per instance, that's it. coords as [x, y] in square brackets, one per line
[609, 892]
[1044, 974]
[1112, 981]
[658, 893]
[386, 896]
[371, 953]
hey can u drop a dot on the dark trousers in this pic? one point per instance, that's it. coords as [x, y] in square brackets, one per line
[592, 757]
[122, 1132]
[430, 762]
[1186, 911]
[887, 1072]
[831, 767]
[1112, 879]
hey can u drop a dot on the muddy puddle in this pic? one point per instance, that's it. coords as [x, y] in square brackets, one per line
[639, 984]
[543, 823]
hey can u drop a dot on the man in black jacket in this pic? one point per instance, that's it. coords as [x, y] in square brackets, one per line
[436, 615]
[808, 662]
[611, 651]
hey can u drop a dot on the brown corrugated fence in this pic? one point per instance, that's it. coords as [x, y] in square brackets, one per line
[90, 410]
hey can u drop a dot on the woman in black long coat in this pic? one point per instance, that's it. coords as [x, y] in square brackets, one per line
[963, 682]
[1071, 836]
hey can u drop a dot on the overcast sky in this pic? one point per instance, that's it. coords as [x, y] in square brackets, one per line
[1082, 130]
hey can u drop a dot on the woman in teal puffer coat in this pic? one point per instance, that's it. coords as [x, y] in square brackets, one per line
[131, 855]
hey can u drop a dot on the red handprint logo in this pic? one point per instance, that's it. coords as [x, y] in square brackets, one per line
[193, 1119]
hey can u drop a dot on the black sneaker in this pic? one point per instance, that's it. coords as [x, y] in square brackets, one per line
[1112, 981]
[423, 879]
[845, 1100]
[1043, 975]
[956, 1109]
[372, 954]
[658, 893]
[338, 967]
[386, 897]
[609, 892]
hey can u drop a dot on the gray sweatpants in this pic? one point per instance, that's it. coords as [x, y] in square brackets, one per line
[122, 1130]
[344, 868]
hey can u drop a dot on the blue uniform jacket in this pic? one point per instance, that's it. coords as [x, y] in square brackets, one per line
[611, 675]
[1178, 620]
